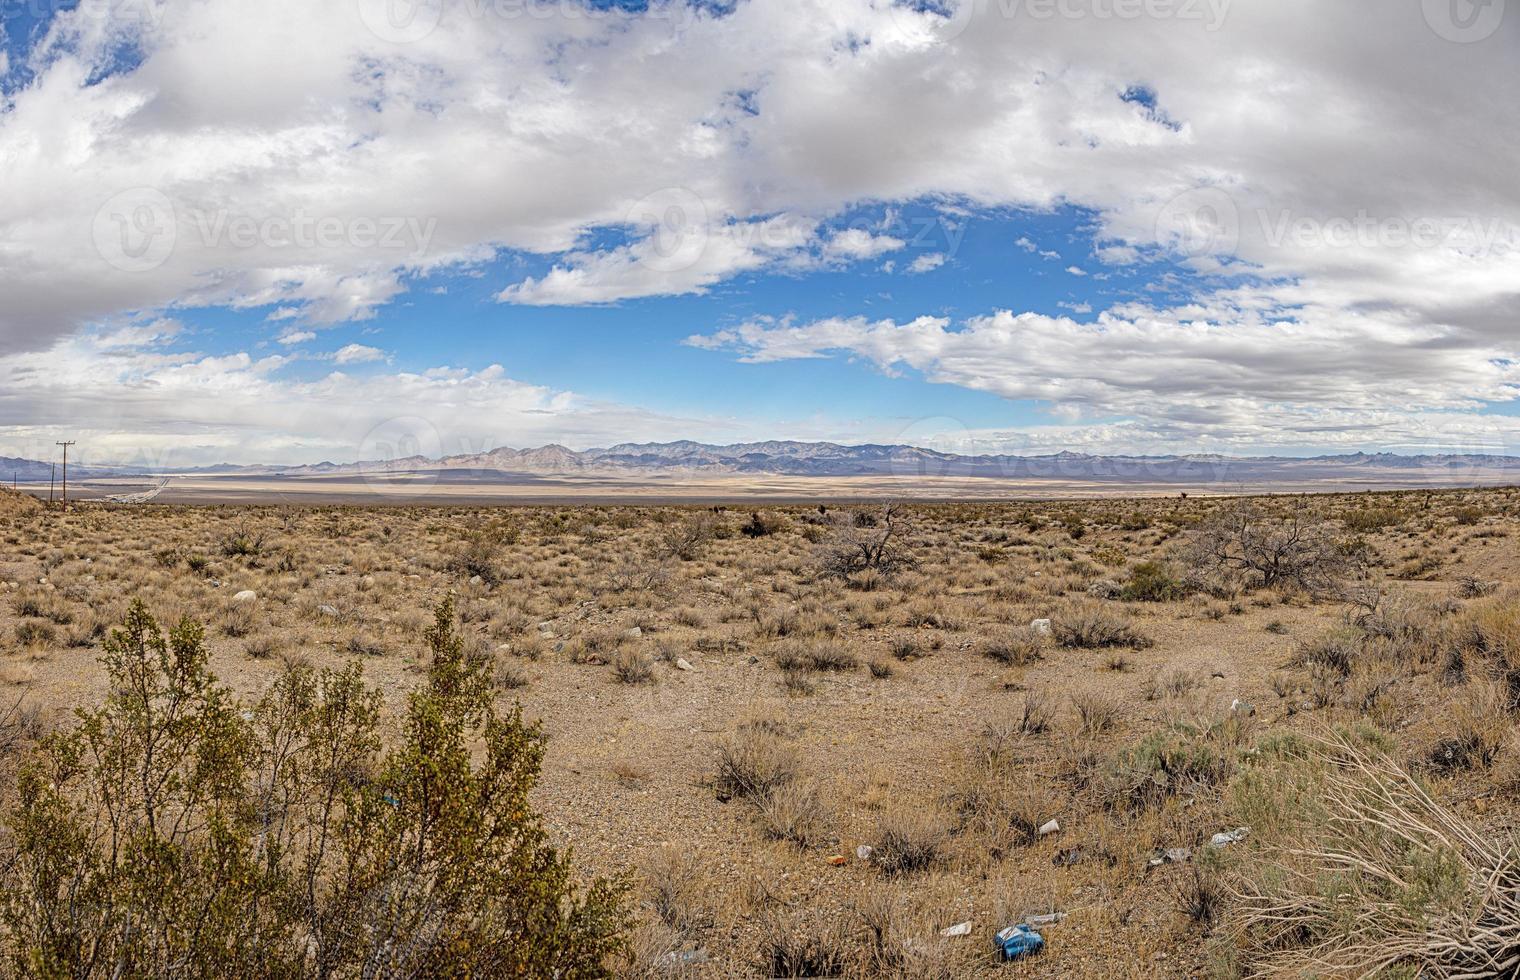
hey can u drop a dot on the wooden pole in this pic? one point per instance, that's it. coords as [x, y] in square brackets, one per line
[65, 446]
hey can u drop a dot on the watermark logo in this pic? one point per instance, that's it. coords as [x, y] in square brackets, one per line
[392, 454]
[135, 230]
[944, 20]
[679, 228]
[1470, 235]
[300, 230]
[139, 229]
[1464, 21]
[401, 21]
[1200, 222]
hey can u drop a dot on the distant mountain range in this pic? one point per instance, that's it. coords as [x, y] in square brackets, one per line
[825, 459]
[35, 471]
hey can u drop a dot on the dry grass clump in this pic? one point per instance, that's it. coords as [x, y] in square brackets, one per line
[909, 839]
[1091, 626]
[1017, 646]
[1002, 733]
[1097, 713]
[803, 945]
[633, 667]
[820, 656]
[796, 812]
[752, 763]
[674, 886]
[1367, 874]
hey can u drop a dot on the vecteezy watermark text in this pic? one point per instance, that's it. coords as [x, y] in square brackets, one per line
[141, 228]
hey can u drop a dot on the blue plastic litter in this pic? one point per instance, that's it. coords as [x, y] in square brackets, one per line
[1017, 941]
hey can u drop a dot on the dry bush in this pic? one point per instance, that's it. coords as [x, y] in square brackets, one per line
[1005, 808]
[479, 555]
[674, 887]
[1299, 550]
[1016, 646]
[909, 839]
[1479, 722]
[752, 763]
[1427, 893]
[685, 539]
[35, 633]
[1091, 626]
[1097, 713]
[803, 945]
[865, 542]
[900, 941]
[633, 667]
[810, 655]
[1337, 651]
[796, 812]
[238, 619]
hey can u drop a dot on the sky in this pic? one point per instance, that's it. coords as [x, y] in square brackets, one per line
[279, 231]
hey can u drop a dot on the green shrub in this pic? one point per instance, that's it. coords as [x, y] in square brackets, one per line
[1151, 581]
[177, 831]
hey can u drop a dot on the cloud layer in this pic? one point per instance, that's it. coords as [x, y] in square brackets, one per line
[1335, 182]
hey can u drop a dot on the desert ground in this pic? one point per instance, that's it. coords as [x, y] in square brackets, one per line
[816, 737]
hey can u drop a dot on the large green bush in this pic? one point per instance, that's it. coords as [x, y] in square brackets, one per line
[176, 831]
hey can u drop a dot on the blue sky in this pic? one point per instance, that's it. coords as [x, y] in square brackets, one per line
[974, 226]
[633, 351]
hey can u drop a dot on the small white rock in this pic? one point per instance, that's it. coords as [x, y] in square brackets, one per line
[681, 664]
[634, 633]
[1041, 626]
[247, 595]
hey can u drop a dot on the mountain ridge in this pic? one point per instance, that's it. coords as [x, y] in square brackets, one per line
[830, 459]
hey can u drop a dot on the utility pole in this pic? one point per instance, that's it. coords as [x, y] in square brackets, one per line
[65, 446]
[52, 483]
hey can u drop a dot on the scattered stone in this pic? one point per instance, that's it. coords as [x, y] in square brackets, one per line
[1245, 708]
[864, 852]
[1041, 626]
[327, 610]
[247, 595]
[475, 580]
[681, 664]
[633, 634]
